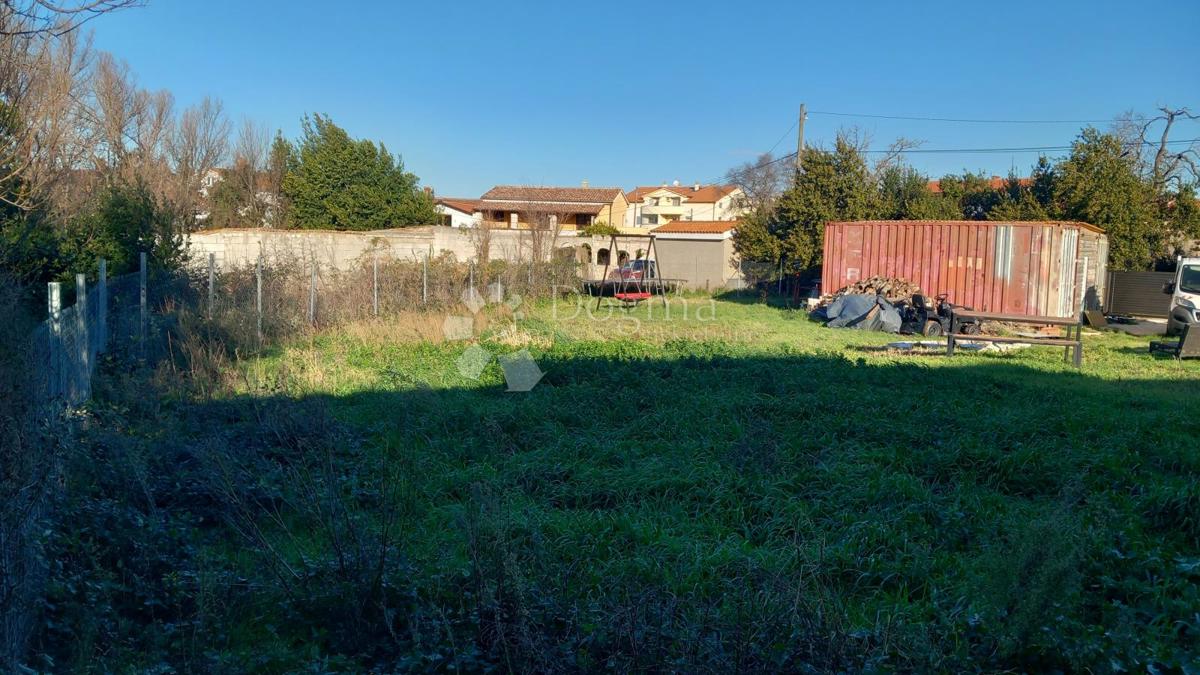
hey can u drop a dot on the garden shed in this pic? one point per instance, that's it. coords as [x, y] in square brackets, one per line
[1042, 268]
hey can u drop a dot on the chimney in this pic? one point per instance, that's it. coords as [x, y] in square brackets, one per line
[428, 190]
[583, 183]
[696, 187]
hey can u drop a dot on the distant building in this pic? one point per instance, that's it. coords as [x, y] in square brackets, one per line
[458, 212]
[995, 183]
[652, 206]
[519, 207]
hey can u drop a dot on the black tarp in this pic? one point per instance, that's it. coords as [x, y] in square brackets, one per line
[854, 311]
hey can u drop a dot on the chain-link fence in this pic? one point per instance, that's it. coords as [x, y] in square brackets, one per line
[129, 316]
[121, 315]
[256, 304]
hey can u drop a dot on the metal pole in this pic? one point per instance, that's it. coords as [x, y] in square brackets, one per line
[425, 280]
[145, 315]
[312, 296]
[375, 286]
[258, 297]
[102, 308]
[212, 283]
[83, 371]
[54, 309]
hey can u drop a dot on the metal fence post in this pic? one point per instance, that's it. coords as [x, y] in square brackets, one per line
[144, 313]
[258, 297]
[375, 285]
[83, 371]
[102, 308]
[54, 309]
[312, 296]
[425, 280]
[212, 283]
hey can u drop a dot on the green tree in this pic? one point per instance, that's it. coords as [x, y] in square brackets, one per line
[834, 185]
[904, 194]
[345, 184]
[1099, 184]
[972, 193]
[280, 160]
[123, 221]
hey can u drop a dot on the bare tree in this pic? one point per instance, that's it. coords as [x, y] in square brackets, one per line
[250, 172]
[892, 156]
[761, 181]
[1147, 143]
[47, 18]
[1170, 165]
[199, 143]
[41, 84]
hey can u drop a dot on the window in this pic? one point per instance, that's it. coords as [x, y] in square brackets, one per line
[674, 201]
[650, 219]
[654, 201]
[1189, 279]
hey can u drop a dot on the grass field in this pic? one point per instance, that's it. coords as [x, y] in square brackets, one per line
[730, 488]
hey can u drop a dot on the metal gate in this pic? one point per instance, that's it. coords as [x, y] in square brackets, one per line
[1138, 293]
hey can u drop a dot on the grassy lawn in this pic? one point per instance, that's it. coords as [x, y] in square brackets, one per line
[730, 487]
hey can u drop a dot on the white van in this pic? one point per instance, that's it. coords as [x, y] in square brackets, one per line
[1185, 296]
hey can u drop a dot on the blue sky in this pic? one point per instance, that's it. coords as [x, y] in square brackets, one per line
[473, 94]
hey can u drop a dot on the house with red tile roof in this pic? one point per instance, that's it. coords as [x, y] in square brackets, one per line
[570, 208]
[457, 211]
[651, 206]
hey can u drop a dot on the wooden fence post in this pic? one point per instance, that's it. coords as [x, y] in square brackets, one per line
[102, 308]
[83, 344]
[54, 309]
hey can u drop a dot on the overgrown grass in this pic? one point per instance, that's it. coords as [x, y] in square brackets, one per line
[736, 488]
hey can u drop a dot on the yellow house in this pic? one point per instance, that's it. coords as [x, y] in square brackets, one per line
[653, 206]
[568, 208]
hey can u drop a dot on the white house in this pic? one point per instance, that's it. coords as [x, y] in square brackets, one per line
[458, 212]
[652, 206]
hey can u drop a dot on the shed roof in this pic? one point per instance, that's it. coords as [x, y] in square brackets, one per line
[697, 227]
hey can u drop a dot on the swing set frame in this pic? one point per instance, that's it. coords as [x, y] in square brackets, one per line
[643, 288]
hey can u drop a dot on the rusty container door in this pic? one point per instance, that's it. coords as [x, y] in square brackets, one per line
[1011, 267]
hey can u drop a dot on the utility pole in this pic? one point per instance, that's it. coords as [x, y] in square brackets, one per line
[800, 138]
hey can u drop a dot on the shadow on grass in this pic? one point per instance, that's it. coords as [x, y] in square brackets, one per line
[657, 508]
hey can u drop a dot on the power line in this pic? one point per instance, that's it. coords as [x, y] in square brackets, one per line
[1040, 148]
[785, 135]
[954, 119]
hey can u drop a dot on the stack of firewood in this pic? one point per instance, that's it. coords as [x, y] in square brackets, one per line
[891, 288]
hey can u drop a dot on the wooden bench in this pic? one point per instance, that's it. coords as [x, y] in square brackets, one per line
[1067, 342]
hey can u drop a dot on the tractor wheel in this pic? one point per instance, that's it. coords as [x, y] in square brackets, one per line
[933, 329]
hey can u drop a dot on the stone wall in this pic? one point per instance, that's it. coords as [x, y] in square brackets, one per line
[700, 263]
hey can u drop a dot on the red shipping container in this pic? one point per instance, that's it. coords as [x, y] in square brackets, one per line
[1031, 268]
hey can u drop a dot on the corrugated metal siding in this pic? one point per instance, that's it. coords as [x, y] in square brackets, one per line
[1138, 293]
[1012, 267]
